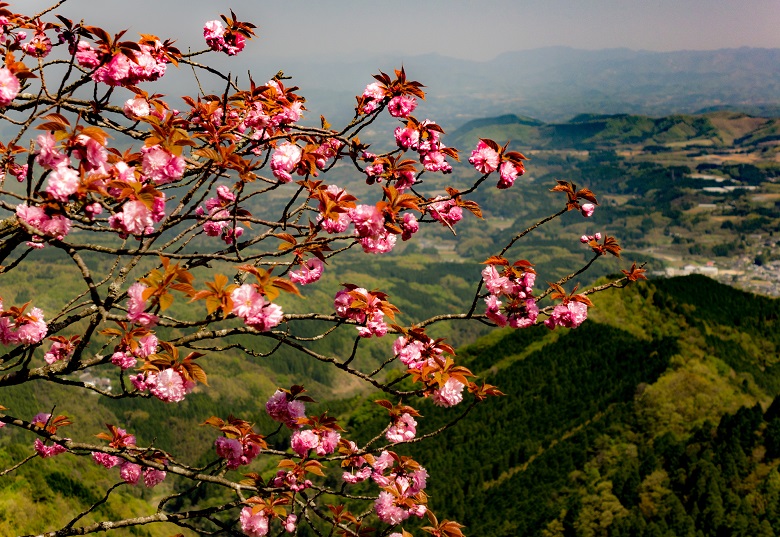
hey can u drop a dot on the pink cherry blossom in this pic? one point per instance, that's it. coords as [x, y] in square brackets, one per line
[495, 283]
[49, 157]
[9, 86]
[134, 219]
[329, 440]
[58, 351]
[409, 352]
[56, 226]
[509, 172]
[368, 220]
[168, 386]
[569, 315]
[246, 300]
[310, 272]
[484, 158]
[403, 429]
[526, 317]
[373, 96]
[409, 225]
[136, 306]
[387, 511]
[62, 183]
[401, 106]
[136, 107]
[281, 409]
[45, 451]
[26, 331]
[39, 46]
[153, 477]
[104, 459]
[147, 346]
[450, 394]
[130, 472]
[86, 56]
[304, 440]
[231, 450]
[407, 138]
[284, 160]
[445, 210]
[290, 523]
[435, 161]
[587, 209]
[213, 32]
[253, 524]
[123, 360]
[378, 244]
[161, 166]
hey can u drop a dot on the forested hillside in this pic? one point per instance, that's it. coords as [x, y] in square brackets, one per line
[653, 418]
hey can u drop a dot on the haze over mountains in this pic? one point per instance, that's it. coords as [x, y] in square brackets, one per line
[556, 83]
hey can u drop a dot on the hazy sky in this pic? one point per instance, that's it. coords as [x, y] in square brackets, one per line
[474, 30]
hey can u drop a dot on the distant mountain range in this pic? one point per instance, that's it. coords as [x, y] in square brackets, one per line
[587, 131]
[556, 83]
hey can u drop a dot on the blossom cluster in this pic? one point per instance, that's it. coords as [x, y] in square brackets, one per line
[256, 522]
[250, 306]
[44, 420]
[237, 452]
[167, 385]
[148, 63]
[510, 300]
[283, 407]
[401, 479]
[217, 215]
[126, 354]
[426, 359]
[309, 272]
[367, 308]
[425, 138]
[18, 327]
[488, 157]
[130, 472]
[322, 440]
[9, 86]
[62, 348]
[571, 314]
[137, 306]
[220, 39]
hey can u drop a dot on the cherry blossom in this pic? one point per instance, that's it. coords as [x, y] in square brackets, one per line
[445, 210]
[401, 106]
[450, 394]
[250, 306]
[587, 209]
[403, 429]
[569, 315]
[310, 272]
[9, 86]
[284, 160]
[45, 451]
[484, 158]
[281, 408]
[253, 524]
[168, 385]
[136, 306]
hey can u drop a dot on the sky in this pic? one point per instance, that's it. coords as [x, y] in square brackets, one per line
[473, 30]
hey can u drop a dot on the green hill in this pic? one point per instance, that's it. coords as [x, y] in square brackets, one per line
[647, 420]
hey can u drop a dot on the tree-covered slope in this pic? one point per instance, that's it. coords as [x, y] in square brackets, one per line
[647, 420]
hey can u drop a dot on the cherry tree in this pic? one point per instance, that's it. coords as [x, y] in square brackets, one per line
[162, 190]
